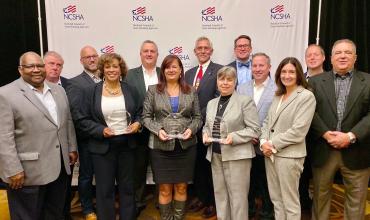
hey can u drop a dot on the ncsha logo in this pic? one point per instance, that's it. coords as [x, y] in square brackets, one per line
[70, 13]
[208, 14]
[107, 49]
[139, 14]
[178, 52]
[278, 13]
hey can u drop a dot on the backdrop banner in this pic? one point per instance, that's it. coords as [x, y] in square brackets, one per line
[277, 27]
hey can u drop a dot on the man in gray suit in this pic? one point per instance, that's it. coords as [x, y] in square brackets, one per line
[89, 76]
[242, 64]
[339, 134]
[37, 142]
[141, 78]
[262, 90]
[203, 77]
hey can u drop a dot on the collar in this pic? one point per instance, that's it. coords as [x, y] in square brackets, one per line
[348, 74]
[205, 65]
[91, 74]
[264, 84]
[45, 89]
[145, 71]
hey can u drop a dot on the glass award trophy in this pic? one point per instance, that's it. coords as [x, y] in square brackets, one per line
[219, 131]
[119, 121]
[175, 125]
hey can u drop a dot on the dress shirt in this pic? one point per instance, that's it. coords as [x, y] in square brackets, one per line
[244, 73]
[150, 78]
[93, 77]
[204, 69]
[47, 100]
[342, 87]
[258, 90]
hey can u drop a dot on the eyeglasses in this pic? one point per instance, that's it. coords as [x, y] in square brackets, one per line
[33, 66]
[242, 46]
[89, 57]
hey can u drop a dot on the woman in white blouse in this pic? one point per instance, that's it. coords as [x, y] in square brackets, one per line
[110, 117]
[283, 137]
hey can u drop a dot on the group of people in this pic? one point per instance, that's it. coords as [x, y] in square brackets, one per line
[237, 132]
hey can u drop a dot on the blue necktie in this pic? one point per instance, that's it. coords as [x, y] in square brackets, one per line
[247, 64]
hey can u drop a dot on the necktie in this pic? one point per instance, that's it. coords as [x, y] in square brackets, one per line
[247, 64]
[199, 77]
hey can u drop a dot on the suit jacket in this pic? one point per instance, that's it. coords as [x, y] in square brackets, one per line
[208, 85]
[135, 78]
[64, 82]
[74, 92]
[356, 119]
[287, 127]
[240, 119]
[157, 107]
[91, 119]
[266, 97]
[30, 141]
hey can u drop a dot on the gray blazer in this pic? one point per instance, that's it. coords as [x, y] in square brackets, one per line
[157, 107]
[241, 120]
[266, 97]
[30, 141]
[288, 126]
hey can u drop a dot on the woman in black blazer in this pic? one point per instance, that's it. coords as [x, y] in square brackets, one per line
[110, 117]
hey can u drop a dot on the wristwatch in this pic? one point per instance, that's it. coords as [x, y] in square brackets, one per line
[352, 138]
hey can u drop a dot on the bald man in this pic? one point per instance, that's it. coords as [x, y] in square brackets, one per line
[37, 142]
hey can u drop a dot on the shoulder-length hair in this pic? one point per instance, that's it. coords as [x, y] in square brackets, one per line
[162, 82]
[108, 58]
[301, 80]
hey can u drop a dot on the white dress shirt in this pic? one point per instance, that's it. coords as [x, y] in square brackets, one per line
[150, 78]
[204, 69]
[258, 90]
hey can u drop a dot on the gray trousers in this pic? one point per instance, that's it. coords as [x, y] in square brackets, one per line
[231, 187]
[355, 183]
[283, 181]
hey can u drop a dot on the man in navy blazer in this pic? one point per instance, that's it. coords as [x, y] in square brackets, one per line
[90, 75]
[242, 64]
[262, 90]
[141, 78]
[204, 78]
[339, 134]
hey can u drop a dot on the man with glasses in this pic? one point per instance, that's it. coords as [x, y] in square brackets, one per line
[37, 143]
[90, 75]
[203, 77]
[242, 64]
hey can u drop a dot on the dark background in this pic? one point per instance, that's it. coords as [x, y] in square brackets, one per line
[339, 19]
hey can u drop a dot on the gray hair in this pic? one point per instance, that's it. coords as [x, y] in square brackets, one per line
[344, 41]
[226, 71]
[260, 54]
[53, 54]
[203, 38]
[149, 42]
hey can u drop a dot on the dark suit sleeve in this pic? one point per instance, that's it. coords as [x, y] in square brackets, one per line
[85, 119]
[138, 109]
[196, 122]
[74, 93]
[318, 126]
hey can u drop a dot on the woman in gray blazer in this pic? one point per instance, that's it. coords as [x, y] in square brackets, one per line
[231, 124]
[283, 137]
[172, 115]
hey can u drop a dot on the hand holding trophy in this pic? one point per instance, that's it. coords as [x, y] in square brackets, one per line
[118, 124]
[175, 126]
[219, 131]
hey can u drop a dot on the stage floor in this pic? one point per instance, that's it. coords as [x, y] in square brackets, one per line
[150, 213]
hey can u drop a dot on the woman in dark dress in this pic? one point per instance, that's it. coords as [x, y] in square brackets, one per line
[171, 113]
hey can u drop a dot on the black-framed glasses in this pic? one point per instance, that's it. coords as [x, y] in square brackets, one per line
[89, 57]
[33, 66]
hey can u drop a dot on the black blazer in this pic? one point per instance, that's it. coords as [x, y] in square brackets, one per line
[75, 87]
[208, 85]
[91, 119]
[356, 119]
[64, 82]
[135, 78]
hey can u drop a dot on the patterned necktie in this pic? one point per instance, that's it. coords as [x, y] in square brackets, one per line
[199, 77]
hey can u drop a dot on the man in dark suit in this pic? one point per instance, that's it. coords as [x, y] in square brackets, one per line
[340, 135]
[203, 77]
[90, 75]
[53, 68]
[140, 78]
[242, 64]
[37, 143]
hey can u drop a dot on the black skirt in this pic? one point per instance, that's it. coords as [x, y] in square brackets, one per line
[175, 166]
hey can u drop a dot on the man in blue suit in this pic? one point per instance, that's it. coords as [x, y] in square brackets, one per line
[242, 64]
[262, 90]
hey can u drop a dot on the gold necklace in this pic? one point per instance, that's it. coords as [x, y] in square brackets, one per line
[112, 92]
